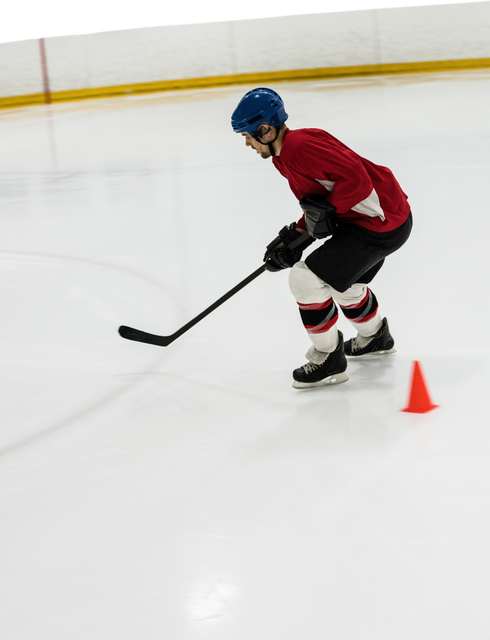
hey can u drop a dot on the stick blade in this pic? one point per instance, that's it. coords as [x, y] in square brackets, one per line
[142, 336]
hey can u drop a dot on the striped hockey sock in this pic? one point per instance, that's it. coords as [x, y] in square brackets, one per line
[364, 315]
[320, 319]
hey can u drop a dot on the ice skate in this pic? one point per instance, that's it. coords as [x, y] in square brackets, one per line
[322, 368]
[379, 344]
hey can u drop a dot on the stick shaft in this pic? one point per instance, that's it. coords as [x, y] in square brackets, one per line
[163, 341]
[218, 303]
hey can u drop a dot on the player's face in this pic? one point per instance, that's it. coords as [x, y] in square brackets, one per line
[261, 149]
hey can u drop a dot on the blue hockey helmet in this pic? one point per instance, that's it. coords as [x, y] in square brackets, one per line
[256, 107]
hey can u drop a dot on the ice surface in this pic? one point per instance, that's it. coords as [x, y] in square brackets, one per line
[190, 492]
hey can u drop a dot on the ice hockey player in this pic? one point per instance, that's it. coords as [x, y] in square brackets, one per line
[361, 211]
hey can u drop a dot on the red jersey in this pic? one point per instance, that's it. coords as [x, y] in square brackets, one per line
[364, 193]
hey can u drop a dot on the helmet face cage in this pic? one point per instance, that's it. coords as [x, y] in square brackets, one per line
[257, 107]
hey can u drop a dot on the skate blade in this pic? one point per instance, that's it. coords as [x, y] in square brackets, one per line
[336, 378]
[375, 354]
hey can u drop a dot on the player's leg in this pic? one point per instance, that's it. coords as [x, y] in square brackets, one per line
[360, 306]
[355, 255]
[326, 360]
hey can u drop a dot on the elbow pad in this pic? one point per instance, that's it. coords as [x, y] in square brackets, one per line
[320, 215]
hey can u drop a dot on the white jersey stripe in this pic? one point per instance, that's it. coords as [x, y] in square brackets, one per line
[370, 207]
[328, 184]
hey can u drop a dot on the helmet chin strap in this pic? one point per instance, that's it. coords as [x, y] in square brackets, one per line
[268, 144]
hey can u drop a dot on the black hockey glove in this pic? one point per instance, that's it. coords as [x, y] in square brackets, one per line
[320, 215]
[278, 256]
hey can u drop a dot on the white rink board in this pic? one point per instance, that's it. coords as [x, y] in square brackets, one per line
[383, 36]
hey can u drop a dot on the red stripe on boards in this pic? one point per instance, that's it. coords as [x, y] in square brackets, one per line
[44, 67]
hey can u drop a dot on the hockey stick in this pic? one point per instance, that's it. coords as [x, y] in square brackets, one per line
[163, 341]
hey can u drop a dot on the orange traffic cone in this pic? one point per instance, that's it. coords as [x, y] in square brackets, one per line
[419, 401]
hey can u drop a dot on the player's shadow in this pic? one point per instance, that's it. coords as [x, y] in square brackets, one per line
[351, 415]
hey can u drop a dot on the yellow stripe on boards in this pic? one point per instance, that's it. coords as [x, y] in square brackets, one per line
[246, 78]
